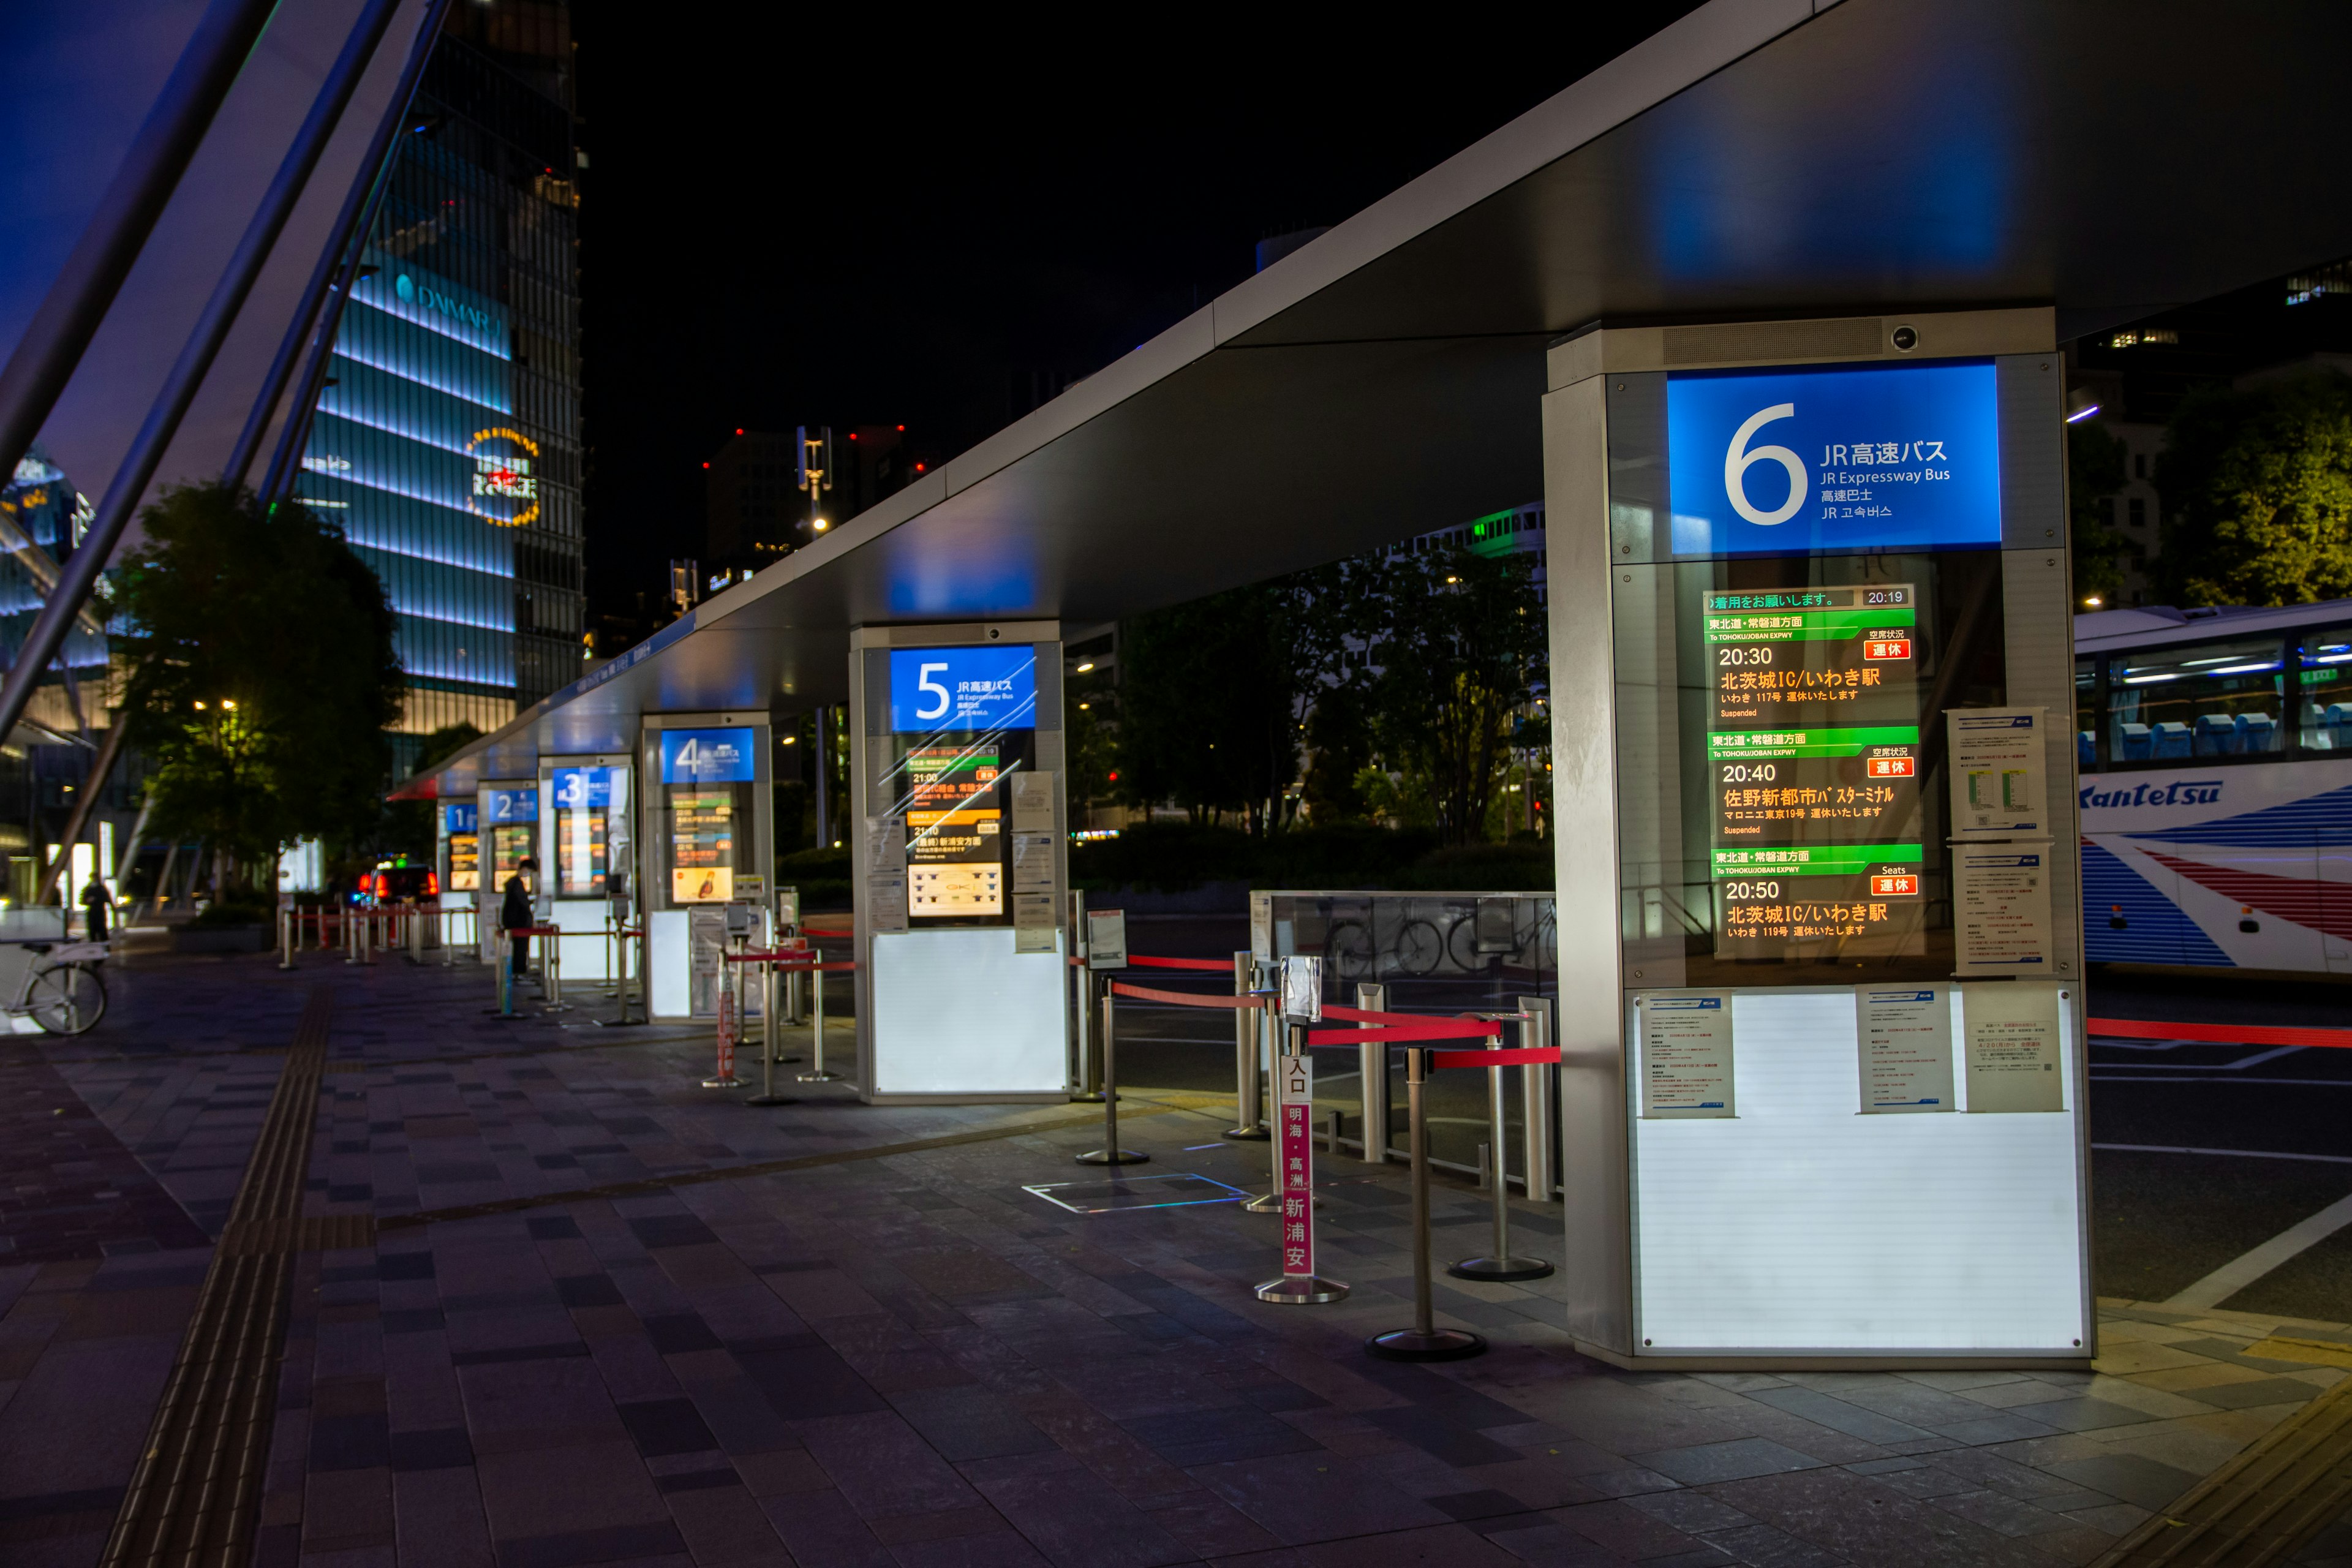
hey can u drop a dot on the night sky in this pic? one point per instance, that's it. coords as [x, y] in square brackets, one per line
[863, 220]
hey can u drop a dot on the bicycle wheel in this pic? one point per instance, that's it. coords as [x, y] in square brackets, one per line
[1349, 950]
[1419, 948]
[67, 998]
[1462, 946]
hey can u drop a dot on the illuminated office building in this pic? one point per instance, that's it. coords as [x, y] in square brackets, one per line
[447, 441]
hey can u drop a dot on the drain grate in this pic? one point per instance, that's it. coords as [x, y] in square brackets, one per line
[2260, 1506]
[196, 1493]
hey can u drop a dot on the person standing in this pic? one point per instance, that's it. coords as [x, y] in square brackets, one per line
[96, 904]
[514, 917]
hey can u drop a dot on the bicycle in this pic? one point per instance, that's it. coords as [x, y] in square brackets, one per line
[64, 995]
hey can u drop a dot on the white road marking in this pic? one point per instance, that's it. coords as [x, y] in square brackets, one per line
[2256, 1083]
[2239, 1272]
[2240, 1064]
[2231, 1154]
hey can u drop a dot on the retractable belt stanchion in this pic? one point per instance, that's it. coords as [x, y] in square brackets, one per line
[768, 992]
[289, 928]
[551, 967]
[1372, 1079]
[1424, 1341]
[416, 935]
[1499, 1264]
[817, 1073]
[1249, 1113]
[625, 986]
[502, 966]
[1266, 1018]
[1110, 1153]
[731, 1014]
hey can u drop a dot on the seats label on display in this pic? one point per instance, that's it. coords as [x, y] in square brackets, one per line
[1904, 1038]
[1687, 1056]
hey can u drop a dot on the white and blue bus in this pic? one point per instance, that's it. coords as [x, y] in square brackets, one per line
[2217, 786]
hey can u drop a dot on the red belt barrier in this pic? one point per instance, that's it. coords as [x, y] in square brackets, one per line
[1415, 1029]
[2219, 1034]
[1214, 965]
[1532, 1056]
[1183, 998]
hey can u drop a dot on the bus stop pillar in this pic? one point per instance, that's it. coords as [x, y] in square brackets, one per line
[1813, 751]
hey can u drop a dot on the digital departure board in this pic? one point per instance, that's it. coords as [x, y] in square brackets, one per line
[955, 832]
[1814, 769]
[1814, 656]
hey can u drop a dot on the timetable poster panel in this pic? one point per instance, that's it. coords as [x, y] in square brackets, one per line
[1905, 1036]
[1831, 655]
[2013, 1048]
[1687, 1057]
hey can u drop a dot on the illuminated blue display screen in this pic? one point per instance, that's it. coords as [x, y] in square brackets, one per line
[513, 805]
[583, 789]
[962, 688]
[706, 756]
[1842, 459]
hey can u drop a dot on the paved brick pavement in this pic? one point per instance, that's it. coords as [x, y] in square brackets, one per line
[869, 1357]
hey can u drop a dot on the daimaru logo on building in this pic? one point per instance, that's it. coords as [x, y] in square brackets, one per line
[1835, 459]
[409, 292]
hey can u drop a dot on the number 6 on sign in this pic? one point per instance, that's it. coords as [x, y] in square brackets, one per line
[1737, 459]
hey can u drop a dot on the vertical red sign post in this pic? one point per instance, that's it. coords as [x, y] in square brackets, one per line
[1294, 1092]
[725, 1078]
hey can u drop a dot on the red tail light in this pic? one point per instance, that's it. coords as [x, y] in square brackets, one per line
[432, 884]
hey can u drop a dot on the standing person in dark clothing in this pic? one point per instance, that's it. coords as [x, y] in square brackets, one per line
[95, 904]
[514, 916]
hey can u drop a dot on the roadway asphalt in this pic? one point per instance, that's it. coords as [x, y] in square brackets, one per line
[2199, 1152]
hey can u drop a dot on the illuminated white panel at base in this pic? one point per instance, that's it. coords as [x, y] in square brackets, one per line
[959, 1012]
[1801, 1224]
[587, 946]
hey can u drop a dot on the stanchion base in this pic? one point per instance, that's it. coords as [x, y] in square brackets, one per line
[818, 1077]
[1248, 1134]
[1301, 1290]
[1411, 1344]
[770, 1099]
[1270, 1203]
[504, 1017]
[1499, 1269]
[726, 1083]
[618, 1023]
[1085, 1100]
[1114, 1157]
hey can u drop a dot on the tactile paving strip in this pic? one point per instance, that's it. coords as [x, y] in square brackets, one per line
[2262, 1505]
[196, 1493]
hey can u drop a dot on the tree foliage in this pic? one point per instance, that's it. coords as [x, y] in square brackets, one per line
[2257, 486]
[1402, 677]
[1214, 695]
[2094, 472]
[263, 673]
[1461, 640]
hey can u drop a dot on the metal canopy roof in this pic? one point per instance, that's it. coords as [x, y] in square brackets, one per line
[1758, 158]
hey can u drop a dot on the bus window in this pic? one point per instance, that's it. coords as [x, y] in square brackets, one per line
[2208, 700]
[2327, 695]
[2087, 710]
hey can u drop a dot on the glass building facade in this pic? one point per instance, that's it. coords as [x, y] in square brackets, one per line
[447, 440]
